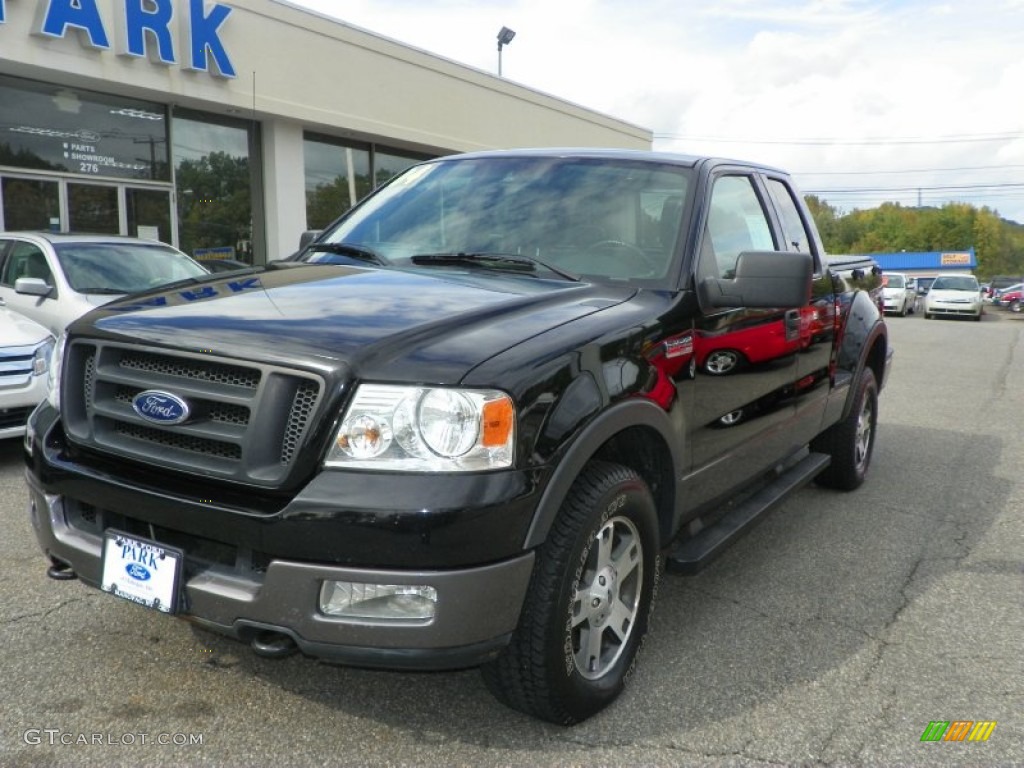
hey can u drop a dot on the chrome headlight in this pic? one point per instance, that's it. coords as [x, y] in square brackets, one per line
[425, 429]
[53, 373]
[41, 357]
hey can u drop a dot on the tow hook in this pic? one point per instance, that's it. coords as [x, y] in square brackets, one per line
[59, 571]
[273, 645]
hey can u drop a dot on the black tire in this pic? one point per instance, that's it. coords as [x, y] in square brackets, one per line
[851, 441]
[546, 670]
[927, 316]
[1015, 305]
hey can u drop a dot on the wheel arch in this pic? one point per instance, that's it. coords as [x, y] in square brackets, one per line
[636, 434]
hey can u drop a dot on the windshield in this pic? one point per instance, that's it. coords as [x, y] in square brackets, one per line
[956, 283]
[116, 268]
[597, 217]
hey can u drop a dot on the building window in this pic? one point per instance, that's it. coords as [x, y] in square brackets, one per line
[339, 175]
[30, 204]
[54, 128]
[214, 162]
[387, 165]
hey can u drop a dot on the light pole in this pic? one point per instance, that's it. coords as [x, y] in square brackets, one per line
[504, 38]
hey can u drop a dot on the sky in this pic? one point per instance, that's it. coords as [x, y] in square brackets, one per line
[864, 101]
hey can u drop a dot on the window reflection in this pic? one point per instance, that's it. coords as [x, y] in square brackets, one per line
[340, 175]
[213, 172]
[31, 204]
[93, 209]
[53, 128]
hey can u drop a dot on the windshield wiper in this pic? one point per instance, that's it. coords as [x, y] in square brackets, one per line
[358, 252]
[491, 260]
[105, 291]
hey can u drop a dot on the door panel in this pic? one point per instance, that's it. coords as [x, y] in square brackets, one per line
[743, 357]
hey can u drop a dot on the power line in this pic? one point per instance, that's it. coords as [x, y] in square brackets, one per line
[907, 170]
[919, 188]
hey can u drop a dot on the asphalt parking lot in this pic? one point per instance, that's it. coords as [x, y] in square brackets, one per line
[832, 634]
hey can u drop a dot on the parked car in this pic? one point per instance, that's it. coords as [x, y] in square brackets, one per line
[953, 296]
[1002, 282]
[25, 348]
[56, 278]
[1010, 298]
[898, 294]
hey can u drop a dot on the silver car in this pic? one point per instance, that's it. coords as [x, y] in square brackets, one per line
[56, 278]
[25, 348]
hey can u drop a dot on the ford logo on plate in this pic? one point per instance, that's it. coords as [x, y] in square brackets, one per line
[137, 572]
[161, 407]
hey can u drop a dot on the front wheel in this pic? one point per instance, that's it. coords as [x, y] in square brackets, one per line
[851, 441]
[1015, 306]
[588, 604]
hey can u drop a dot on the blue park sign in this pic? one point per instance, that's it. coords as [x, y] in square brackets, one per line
[143, 28]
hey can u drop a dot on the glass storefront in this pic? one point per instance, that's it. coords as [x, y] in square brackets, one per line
[82, 161]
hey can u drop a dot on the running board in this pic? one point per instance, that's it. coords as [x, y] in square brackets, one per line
[692, 554]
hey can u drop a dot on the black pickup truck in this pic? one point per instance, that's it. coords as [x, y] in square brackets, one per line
[471, 422]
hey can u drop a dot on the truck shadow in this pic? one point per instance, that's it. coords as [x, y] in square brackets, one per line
[824, 578]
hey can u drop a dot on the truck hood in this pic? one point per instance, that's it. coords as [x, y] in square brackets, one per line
[389, 324]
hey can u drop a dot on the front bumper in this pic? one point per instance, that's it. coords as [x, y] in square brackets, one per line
[953, 310]
[229, 588]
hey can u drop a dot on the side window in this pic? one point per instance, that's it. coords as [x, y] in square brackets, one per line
[736, 223]
[25, 260]
[793, 227]
[4, 247]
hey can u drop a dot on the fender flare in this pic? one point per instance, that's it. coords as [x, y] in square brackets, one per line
[864, 326]
[633, 412]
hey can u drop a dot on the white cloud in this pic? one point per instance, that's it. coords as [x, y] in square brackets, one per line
[763, 75]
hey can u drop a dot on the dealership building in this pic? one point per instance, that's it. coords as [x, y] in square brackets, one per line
[229, 128]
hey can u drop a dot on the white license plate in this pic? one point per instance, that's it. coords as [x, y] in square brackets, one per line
[141, 571]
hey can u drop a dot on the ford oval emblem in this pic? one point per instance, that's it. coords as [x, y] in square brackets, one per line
[161, 407]
[137, 572]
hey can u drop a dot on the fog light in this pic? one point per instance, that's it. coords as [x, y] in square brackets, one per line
[348, 599]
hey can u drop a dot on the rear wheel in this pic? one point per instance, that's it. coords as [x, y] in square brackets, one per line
[589, 601]
[722, 361]
[1015, 305]
[851, 441]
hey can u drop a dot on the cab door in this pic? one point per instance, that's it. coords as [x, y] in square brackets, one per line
[744, 357]
[809, 382]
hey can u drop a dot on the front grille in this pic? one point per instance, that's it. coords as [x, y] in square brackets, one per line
[197, 370]
[247, 421]
[16, 366]
[180, 442]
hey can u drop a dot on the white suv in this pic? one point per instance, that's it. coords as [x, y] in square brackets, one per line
[56, 278]
[25, 348]
[898, 294]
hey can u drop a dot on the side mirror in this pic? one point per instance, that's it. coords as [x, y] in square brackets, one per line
[308, 237]
[763, 279]
[32, 286]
